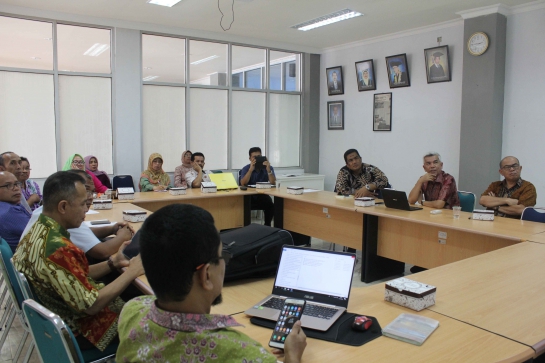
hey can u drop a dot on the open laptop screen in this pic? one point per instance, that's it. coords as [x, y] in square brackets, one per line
[315, 275]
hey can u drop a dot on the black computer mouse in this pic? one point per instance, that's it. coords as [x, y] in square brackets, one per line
[242, 187]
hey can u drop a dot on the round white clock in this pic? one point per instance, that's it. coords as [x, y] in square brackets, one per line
[477, 43]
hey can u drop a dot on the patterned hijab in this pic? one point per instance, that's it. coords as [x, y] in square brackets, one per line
[68, 164]
[155, 177]
[88, 167]
[183, 154]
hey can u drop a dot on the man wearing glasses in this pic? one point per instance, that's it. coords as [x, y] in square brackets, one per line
[13, 216]
[509, 197]
[10, 161]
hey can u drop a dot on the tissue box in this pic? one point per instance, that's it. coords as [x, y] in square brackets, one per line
[102, 204]
[125, 193]
[483, 215]
[107, 194]
[263, 185]
[208, 187]
[177, 191]
[294, 190]
[364, 202]
[411, 294]
[134, 215]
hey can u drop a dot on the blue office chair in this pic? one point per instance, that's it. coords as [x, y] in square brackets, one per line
[122, 181]
[55, 340]
[467, 201]
[533, 214]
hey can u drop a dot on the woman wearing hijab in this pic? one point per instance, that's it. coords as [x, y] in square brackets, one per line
[91, 164]
[180, 171]
[75, 162]
[154, 178]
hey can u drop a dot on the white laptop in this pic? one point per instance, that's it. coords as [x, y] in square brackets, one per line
[322, 278]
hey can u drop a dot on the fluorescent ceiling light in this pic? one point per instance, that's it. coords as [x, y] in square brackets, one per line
[327, 19]
[149, 78]
[96, 50]
[169, 3]
[205, 60]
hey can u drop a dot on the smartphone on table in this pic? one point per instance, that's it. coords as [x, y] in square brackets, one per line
[290, 313]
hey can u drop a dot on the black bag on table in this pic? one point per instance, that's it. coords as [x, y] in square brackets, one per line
[255, 250]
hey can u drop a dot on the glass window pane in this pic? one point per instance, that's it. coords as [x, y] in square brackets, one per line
[238, 80]
[291, 70]
[208, 63]
[27, 116]
[86, 118]
[26, 43]
[208, 126]
[276, 77]
[250, 61]
[82, 49]
[163, 59]
[163, 126]
[290, 80]
[284, 129]
[248, 125]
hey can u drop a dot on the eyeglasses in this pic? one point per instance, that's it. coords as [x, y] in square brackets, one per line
[78, 162]
[226, 256]
[11, 186]
[509, 167]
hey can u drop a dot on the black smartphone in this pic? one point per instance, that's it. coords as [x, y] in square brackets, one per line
[259, 162]
[290, 313]
[100, 221]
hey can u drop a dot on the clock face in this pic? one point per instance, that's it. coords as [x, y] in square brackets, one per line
[477, 43]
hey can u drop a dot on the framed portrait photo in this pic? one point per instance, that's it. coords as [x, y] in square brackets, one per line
[382, 112]
[335, 115]
[365, 75]
[398, 71]
[335, 85]
[437, 64]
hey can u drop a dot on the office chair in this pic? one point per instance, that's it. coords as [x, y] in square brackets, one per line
[122, 181]
[467, 201]
[533, 214]
[55, 340]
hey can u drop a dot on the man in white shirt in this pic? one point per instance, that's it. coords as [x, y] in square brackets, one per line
[195, 176]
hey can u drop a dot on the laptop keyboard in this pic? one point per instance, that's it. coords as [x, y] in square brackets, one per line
[316, 311]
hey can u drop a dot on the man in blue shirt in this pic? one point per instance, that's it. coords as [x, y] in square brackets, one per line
[13, 216]
[250, 176]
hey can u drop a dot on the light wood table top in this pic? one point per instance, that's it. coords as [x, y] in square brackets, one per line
[502, 291]
[116, 214]
[191, 193]
[539, 238]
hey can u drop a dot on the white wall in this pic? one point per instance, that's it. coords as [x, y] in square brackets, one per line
[524, 108]
[424, 116]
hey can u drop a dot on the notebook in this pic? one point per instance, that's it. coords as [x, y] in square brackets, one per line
[322, 278]
[397, 199]
[224, 181]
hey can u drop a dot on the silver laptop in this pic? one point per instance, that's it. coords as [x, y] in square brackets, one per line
[322, 278]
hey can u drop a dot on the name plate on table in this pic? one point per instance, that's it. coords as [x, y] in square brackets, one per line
[133, 215]
[208, 187]
[364, 202]
[411, 294]
[177, 191]
[125, 193]
[483, 215]
[102, 204]
[295, 190]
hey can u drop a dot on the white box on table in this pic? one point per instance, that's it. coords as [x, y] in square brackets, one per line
[133, 215]
[411, 294]
[102, 204]
[177, 191]
[364, 202]
[294, 190]
[483, 214]
[208, 187]
[263, 185]
[125, 193]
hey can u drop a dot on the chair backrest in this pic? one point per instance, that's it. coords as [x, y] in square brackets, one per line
[239, 177]
[533, 214]
[53, 338]
[9, 274]
[122, 181]
[467, 201]
[26, 290]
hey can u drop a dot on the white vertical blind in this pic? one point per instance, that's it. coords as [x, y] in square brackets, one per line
[208, 126]
[284, 129]
[163, 126]
[248, 125]
[27, 116]
[86, 118]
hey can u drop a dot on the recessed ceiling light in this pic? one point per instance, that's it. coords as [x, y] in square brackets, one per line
[169, 3]
[96, 50]
[327, 19]
[205, 60]
[149, 78]
[148, 68]
[35, 58]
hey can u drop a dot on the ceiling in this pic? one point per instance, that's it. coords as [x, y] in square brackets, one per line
[271, 20]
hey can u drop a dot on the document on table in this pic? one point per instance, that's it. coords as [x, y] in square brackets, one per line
[310, 190]
[90, 211]
[88, 224]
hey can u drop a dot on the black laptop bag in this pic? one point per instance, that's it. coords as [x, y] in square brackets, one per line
[255, 250]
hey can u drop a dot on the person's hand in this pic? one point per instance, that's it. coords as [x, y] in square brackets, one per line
[295, 344]
[125, 233]
[34, 198]
[511, 201]
[363, 192]
[135, 266]
[252, 165]
[267, 165]
[427, 177]
[491, 194]
[119, 259]
[196, 166]
[159, 187]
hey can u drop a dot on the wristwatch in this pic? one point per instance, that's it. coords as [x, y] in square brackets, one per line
[367, 187]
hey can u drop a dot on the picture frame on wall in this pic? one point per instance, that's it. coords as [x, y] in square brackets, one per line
[382, 112]
[398, 71]
[365, 75]
[335, 115]
[437, 64]
[335, 84]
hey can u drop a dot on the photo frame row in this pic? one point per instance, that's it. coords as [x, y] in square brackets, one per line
[437, 61]
[382, 113]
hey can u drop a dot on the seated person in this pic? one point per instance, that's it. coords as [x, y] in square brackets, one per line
[30, 189]
[58, 270]
[509, 197]
[181, 241]
[13, 216]
[10, 161]
[359, 179]
[91, 164]
[154, 178]
[197, 174]
[75, 162]
[438, 187]
[88, 239]
[181, 170]
[249, 175]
